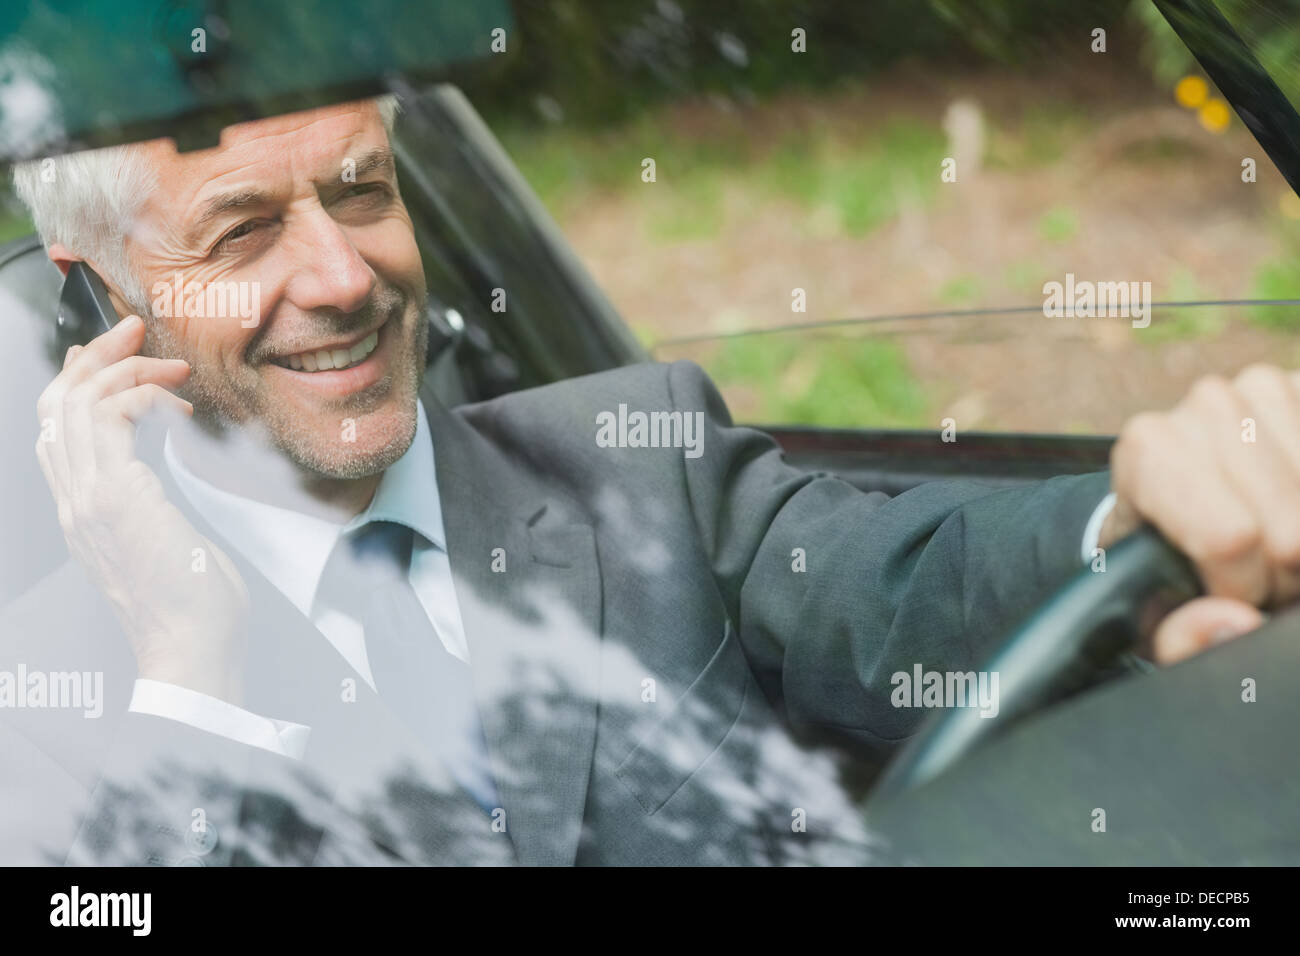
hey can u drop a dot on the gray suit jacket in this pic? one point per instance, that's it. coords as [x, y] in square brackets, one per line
[659, 680]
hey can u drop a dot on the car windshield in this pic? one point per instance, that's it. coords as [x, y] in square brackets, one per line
[866, 228]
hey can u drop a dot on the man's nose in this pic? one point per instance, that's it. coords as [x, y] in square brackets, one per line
[331, 273]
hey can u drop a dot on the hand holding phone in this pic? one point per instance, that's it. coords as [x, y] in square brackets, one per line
[185, 617]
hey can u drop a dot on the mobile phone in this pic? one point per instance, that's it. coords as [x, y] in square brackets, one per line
[85, 309]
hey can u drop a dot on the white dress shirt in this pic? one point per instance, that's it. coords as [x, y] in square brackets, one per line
[1092, 530]
[291, 549]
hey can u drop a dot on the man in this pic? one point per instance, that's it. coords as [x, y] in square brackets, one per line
[338, 622]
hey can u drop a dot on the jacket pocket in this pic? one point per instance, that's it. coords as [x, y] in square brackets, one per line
[677, 746]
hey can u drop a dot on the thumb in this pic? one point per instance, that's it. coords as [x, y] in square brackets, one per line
[1201, 624]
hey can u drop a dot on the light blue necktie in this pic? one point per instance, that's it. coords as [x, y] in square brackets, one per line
[427, 687]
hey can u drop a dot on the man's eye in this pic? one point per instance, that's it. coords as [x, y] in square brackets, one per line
[365, 189]
[234, 235]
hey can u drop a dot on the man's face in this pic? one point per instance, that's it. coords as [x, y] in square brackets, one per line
[306, 208]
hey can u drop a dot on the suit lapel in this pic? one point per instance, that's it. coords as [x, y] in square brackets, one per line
[528, 585]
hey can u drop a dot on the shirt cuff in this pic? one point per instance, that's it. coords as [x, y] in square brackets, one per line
[1092, 530]
[219, 717]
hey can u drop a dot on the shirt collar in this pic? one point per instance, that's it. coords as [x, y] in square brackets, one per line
[290, 548]
[407, 494]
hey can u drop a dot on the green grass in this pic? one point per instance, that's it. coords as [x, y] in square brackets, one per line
[566, 163]
[863, 181]
[862, 178]
[691, 210]
[829, 382]
[1024, 278]
[1170, 325]
[1279, 279]
[1042, 137]
[1058, 224]
[1161, 150]
[961, 290]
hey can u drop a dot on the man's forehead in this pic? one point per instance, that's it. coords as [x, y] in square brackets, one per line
[313, 143]
[326, 120]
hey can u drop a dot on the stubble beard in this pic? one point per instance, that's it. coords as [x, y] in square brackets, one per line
[220, 408]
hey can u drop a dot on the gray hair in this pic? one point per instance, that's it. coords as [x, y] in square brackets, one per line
[88, 201]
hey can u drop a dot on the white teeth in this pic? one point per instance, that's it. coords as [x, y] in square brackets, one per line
[331, 358]
[362, 348]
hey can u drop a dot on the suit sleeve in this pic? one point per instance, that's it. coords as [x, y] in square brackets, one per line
[936, 576]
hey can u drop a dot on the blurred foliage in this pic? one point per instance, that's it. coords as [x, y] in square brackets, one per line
[832, 381]
[1165, 55]
[1193, 322]
[854, 180]
[963, 290]
[863, 182]
[1042, 135]
[1024, 278]
[1271, 29]
[1279, 278]
[1058, 224]
[607, 61]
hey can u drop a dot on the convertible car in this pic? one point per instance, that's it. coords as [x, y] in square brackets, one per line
[1185, 772]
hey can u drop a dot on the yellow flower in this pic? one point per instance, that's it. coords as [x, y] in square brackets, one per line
[1191, 92]
[1215, 116]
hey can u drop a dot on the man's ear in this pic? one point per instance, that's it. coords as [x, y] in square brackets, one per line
[61, 257]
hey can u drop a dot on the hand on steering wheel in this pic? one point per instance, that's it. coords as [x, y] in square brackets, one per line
[1089, 624]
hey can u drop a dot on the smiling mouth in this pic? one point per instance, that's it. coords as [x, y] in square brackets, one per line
[324, 360]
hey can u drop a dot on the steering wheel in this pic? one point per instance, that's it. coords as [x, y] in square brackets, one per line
[1086, 626]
